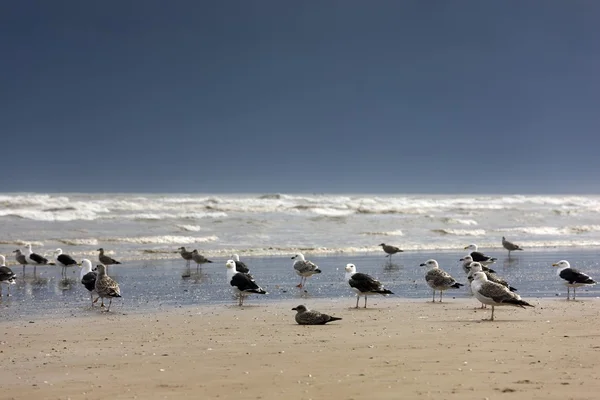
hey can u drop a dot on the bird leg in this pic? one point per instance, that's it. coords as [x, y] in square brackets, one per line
[568, 293]
[110, 302]
[300, 284]
[102, 305]
[357, 299]
[8, 290]
[433, 296]
[366, 301]
[491, 319]
[441, 293]
[573, 292]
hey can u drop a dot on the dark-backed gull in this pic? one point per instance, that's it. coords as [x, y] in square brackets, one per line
[105, 286]
[33, 258]
[390, 250]
[438, 279]
[363, 284]
[88, 278]
[304, 268]
[573, 278]
[239, 265]
[243, 284]
[7, 276]
[304, 316]
[479, 256]
[494, 294]
[64, 261]
[510, 246]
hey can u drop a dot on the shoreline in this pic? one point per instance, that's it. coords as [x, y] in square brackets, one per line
[409, 349]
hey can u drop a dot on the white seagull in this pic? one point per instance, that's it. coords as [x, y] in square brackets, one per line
[363, 284]
[243, 284]
[438, 279]
[304, 268]
[573, 278]
[494, 294]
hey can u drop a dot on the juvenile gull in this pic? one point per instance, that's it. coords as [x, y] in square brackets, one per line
[304, 316]
[466, 265]
[64, 261]
[33, 258]
[105, 286]
[510, 246]
[88, 278]
[7, 276]
[199, 259]
[186, 255]
[243, 284]
[494, 294]
[390, 250]
[106, 260]
[573, 278]
[479, 256]
[304, 268]
[363, 284]
[239, 265]
[491, 276]
[438, 279]
[20, 257]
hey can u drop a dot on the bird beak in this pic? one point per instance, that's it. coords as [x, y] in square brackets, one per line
[466, 247]
[422, 265]
[293, 257]
[294, 309]
[462, 259]
[555, 265]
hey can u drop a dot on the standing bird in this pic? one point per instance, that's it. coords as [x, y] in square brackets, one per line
[494, 294]
[466, 265]
[304, 316]
[7, 276]
[363, 284]
[239, 265]
[491, 276]
[88, 278]
[510, 246]
[106, 287]
[304, 268]
[186, 255]
[199, 259]
[479, 256]
[33, 258]
[106, 260]
[390, 250]
[64, 261]
[243, 284]
[572, 277]
[20, 257]
[438, 279]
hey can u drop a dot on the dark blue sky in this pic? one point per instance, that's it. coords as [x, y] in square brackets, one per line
[300, 96]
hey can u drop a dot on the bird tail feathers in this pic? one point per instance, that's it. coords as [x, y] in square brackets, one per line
[457, 285]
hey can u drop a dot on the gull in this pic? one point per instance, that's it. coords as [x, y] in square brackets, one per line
[304, 316]
[494, 294]
[106, 260]
[7, 276]
[105, 286]
[33, 258]
[88, 278]
[199, 259]
[64, 261]
[243, 284]
[492, 277]
[239, 265]
[363, 284]
[510, 246]
[304, 268]
[390, 250]
[186, 255]
[466, 265]
[479, 256]
[438, 279]
[20, 257]
[573, 278]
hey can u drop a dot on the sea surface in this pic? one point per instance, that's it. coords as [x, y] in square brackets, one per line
[151, 285]
[140, 226]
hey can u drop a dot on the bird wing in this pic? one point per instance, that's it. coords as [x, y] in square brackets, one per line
[241, 267]
[89, 280]
[497, 292]
[38, 259]
[66, 259]
[305, 266]
[6, 273]
[364, 283]
[244, 282]
[573, 275]
[439, 278]
[479, 256]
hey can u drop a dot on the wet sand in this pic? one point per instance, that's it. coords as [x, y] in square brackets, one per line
[397, 349]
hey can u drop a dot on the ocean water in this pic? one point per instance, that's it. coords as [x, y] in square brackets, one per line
[147, 227]
[149, 285]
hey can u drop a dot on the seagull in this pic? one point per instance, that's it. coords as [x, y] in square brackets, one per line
[7, 276]
[438, 279]
[572, 277]
[494, 294]
[510, 246]
[304, 268]
[199, 259]
[88, 278]
[33, 258]
[466, 265]
[491, 276]
[390, 250]
[239, 265]
[104, 259]
[304, 316]
[480, 257]
[64, 261]
[106, 287]
[363, 284]
[186, 255]
[243, 284]
[20, 257]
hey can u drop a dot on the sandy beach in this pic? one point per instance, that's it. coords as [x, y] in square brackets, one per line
[396, 349]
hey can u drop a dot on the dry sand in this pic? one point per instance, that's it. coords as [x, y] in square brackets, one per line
[394, 350]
